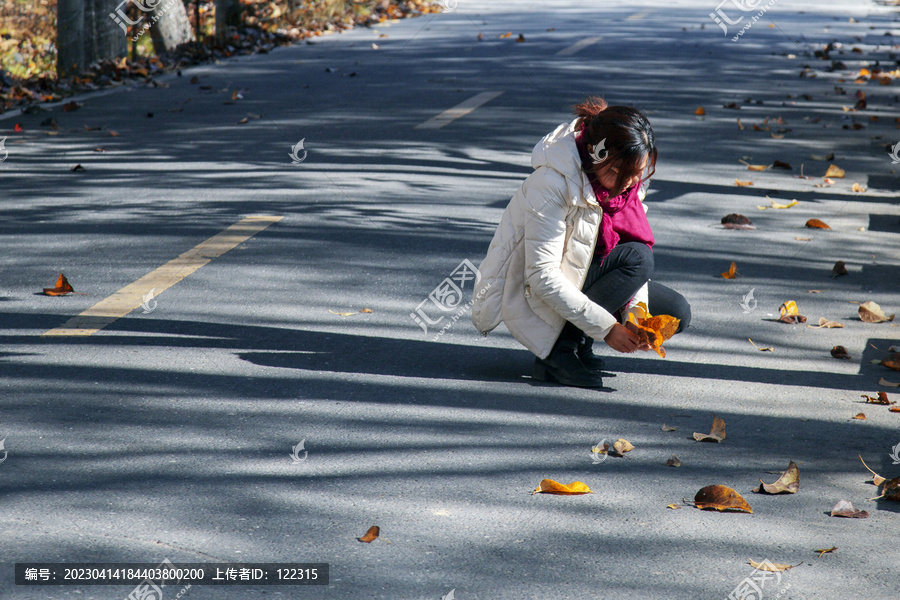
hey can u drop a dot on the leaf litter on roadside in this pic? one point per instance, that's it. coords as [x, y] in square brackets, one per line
[890, 488]
[371, 534]
[790, 313]
[870, 312]
[844, 508]
[788, 483]
[826, 324]
[716, 434]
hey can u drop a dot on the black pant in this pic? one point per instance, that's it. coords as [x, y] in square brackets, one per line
[611, 283]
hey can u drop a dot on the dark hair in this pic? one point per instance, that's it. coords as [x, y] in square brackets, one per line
[629, 137]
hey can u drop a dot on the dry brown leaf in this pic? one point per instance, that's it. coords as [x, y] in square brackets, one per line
[826, 324]
[788, 483]
[780, 164]
[716, 434]
[876, 478]
[844, 508]
[62, 288]
[548, 486]
[366, 310]
[737, 221]
[667, 428]
[860, 417]
[740, 183]
[840, 352]
[756, 167]
[721, 498]
[870, 312]
[835, 171]
[890, 490]
[858, 188]
[620, 447]
[371, 534]
[892, 361]
[655, 330]
[887, 383]
[740, 125]
[343, 314]
[839, 269]
[731, 273]
[762, 348]
[770, 566]
[817, 224]
[673, 461]
[881, 398]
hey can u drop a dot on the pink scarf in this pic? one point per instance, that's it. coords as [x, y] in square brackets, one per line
[624, 219]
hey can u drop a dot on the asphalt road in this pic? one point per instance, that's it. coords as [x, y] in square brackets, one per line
[170, 433]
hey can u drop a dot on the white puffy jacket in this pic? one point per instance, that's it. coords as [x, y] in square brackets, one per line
[536, 264]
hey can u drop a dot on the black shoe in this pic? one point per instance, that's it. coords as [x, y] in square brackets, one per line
[591, 361]
[563, 366]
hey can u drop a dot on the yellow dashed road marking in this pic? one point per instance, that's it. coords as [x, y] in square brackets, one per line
[132, 295]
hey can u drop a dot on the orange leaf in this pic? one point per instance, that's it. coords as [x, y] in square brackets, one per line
[700, 111]
[371, 534]
[731, 273]
[721, 498]
[817, 224]
[655, 330]
[506, 35]
[366, 310]
[62, 288]
[860, 417]
[835, 171]
[740, 183]
[548, 486]
[716, 434]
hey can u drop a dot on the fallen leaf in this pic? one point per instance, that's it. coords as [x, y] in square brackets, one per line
[78, 168]
[826, 324]
[756, 167]
[700, 111]
[371, 534]
[655, 330]
[802, 239]
[839, 269]
[840, 352]
[731, 273]
[740, 125]
[17, 128]
[860, 417]
[788, 483]
[673, 462]
[816, 224]
[776, 136]
[366, 310]
[761, 348]
[895, 409]
[548, 486]
[506, 35]
[835, 171]
[890, 490]
[826, 551]
[673, 506]
[881, 398]
[870, 312]
[113, 133]
[737, 221]
[667, 428]
[844, 508]
[521, 38]
[858, 188]
[822, 157]
[620, 447]
[62, 288]
[740, 183]
[721, 498]
[343, 314]
[892, 361]
[779, 164]
[716, 434]
[789, 313]
[244, 120]
[70, 106]
[778, 205]
[825, 183]
[770, 566]
[876, 478]
[887, 383]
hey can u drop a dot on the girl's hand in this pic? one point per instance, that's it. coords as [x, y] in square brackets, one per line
[634, 329]
[622, 339]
